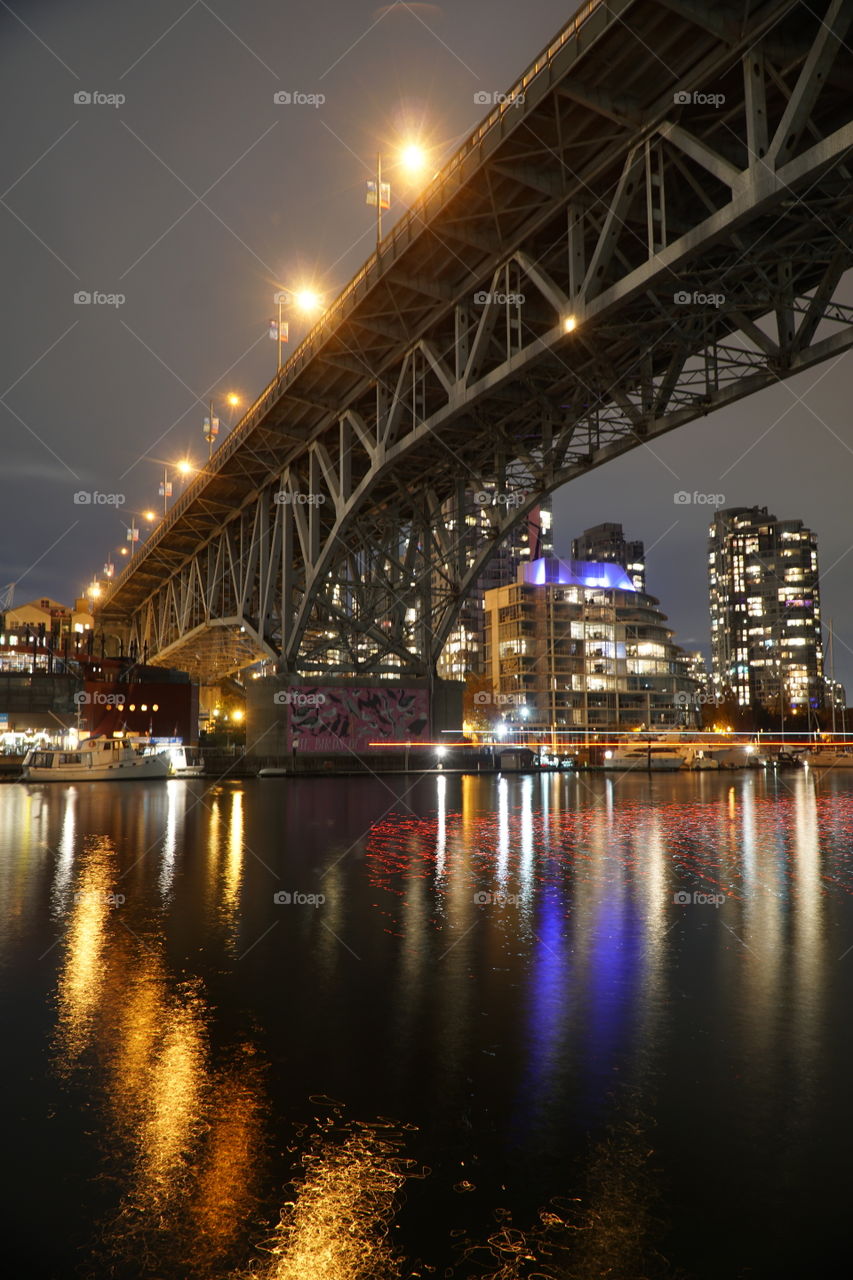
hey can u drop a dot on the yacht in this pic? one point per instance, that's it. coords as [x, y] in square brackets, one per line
[654, 756]
[97, 760]
[828, 758]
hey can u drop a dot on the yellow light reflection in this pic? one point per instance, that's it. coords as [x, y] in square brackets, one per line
[81, 979]
[336, 1227]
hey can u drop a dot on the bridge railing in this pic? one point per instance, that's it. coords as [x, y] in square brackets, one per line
[387, 251]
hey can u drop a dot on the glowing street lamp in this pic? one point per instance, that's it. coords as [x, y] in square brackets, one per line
[306, 301]
[412, 158]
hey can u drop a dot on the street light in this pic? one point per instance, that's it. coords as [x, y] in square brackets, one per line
[210, 428]
[306, 301]
[412, 158]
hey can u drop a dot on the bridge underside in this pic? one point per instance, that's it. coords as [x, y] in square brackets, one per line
[212, 651]
[604, 266]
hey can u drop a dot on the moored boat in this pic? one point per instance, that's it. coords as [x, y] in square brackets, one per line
[655, 757]
[97, 760]
[828, 758]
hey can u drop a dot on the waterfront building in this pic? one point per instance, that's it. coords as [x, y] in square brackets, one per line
[765, 610]
[572, 645]
[46, 617]
[532, 538]
[607, 544]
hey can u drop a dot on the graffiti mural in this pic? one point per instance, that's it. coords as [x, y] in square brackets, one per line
[339, 719]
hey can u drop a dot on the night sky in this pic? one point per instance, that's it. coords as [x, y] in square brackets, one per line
[197, 196]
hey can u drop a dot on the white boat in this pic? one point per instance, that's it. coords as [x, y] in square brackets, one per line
[185, 762]
[653, 756]
[97, 760]
[828, 758]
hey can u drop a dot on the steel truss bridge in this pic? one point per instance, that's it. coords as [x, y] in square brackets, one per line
[653, 225]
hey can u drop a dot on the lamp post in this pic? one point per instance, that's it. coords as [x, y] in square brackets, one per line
[210, 429]
[412, 159]
[165, 488]
[305, 301]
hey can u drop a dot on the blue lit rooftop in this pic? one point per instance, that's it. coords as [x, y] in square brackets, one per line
[576, 573]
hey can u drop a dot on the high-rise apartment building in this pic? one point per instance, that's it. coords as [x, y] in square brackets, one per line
[606, 543]
[531, 539]
[765, 609]
[574, 645]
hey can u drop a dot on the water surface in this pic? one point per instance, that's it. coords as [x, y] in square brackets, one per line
[489, 1026]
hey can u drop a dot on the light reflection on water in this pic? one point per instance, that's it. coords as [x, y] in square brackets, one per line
[200, 1016]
